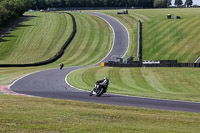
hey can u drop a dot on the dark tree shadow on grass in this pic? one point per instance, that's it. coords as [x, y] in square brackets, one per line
[3, 40]
[23, 25]
[8, 35]
[15, 24]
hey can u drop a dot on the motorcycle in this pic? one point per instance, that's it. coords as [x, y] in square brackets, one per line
[98, 90]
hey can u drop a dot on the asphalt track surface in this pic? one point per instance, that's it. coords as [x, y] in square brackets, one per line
[198, 60]
[52, 84]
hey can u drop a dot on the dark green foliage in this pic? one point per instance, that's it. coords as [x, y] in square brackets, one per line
[15, 8]
[160, 3]
[43, 4]
[3, 15]
[188, 3]
[12, 8]
[178, 3]
[169, 2]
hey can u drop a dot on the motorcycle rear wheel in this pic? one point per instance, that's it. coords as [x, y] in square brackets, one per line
[100, 92]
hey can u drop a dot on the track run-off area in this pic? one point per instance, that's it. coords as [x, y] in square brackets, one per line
[52, 84]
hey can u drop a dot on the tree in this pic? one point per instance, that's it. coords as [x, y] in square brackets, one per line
[10, 9]
[97, 3]
[169, 2]
[160, 3]
[132, 3]
[178, 3]
[4, 15]
[188, 3]
[40, 4]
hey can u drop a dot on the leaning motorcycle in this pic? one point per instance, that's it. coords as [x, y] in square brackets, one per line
[98, 90]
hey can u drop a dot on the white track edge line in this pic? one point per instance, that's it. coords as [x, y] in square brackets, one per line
[197, 60]
[88, 91]
[109, 51]
[113, 30]
[121, 94]
[72, 85]
[113, 41]
[24, 77]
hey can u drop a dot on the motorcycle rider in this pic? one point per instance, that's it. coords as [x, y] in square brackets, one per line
[103, 83]
[61, 66]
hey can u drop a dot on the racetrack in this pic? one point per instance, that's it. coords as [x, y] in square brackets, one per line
[51, 83]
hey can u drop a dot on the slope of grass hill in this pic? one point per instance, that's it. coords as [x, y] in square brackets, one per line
[29, 114]
[158, 43]
[93, 39]
[130, 22]
[92, 42]
[37, 39]
[164, 83]
[164, 39]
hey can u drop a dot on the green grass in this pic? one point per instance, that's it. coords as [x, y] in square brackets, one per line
[164, 39]
[92, 42]
[130, 22]
[37, 39]
[165, 83]
[8, 75]
[41, 38]
[93, 39]
[10, 24]
[24, 114]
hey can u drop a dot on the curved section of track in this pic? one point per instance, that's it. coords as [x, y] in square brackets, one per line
[51, 83]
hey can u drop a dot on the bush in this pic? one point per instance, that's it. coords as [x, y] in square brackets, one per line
[12, 9]
[160, 4]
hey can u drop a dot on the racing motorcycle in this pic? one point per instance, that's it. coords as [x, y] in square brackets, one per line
[98, 90]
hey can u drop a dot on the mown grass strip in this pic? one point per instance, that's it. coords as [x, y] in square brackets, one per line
[130, 23]
[164, 83]
[24, 114]
[92, 42]
[97, 42]
[57, 55]
[164, 39]
[21, 114]
[36, 38]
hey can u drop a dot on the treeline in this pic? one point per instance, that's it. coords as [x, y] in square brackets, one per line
[14, 8]
[167, 3]
[43, 4]
[10, 9]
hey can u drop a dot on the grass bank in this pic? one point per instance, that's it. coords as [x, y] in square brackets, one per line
[24, 114]
[164, 39]
[92, 42]
[93, 39]
[165, 83]
[37, 39]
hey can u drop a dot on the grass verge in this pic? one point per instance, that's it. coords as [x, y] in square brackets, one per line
[33, 40]
[92, 42]
[93, 39]
[164, 83]
[164, 39]
[24, 114]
